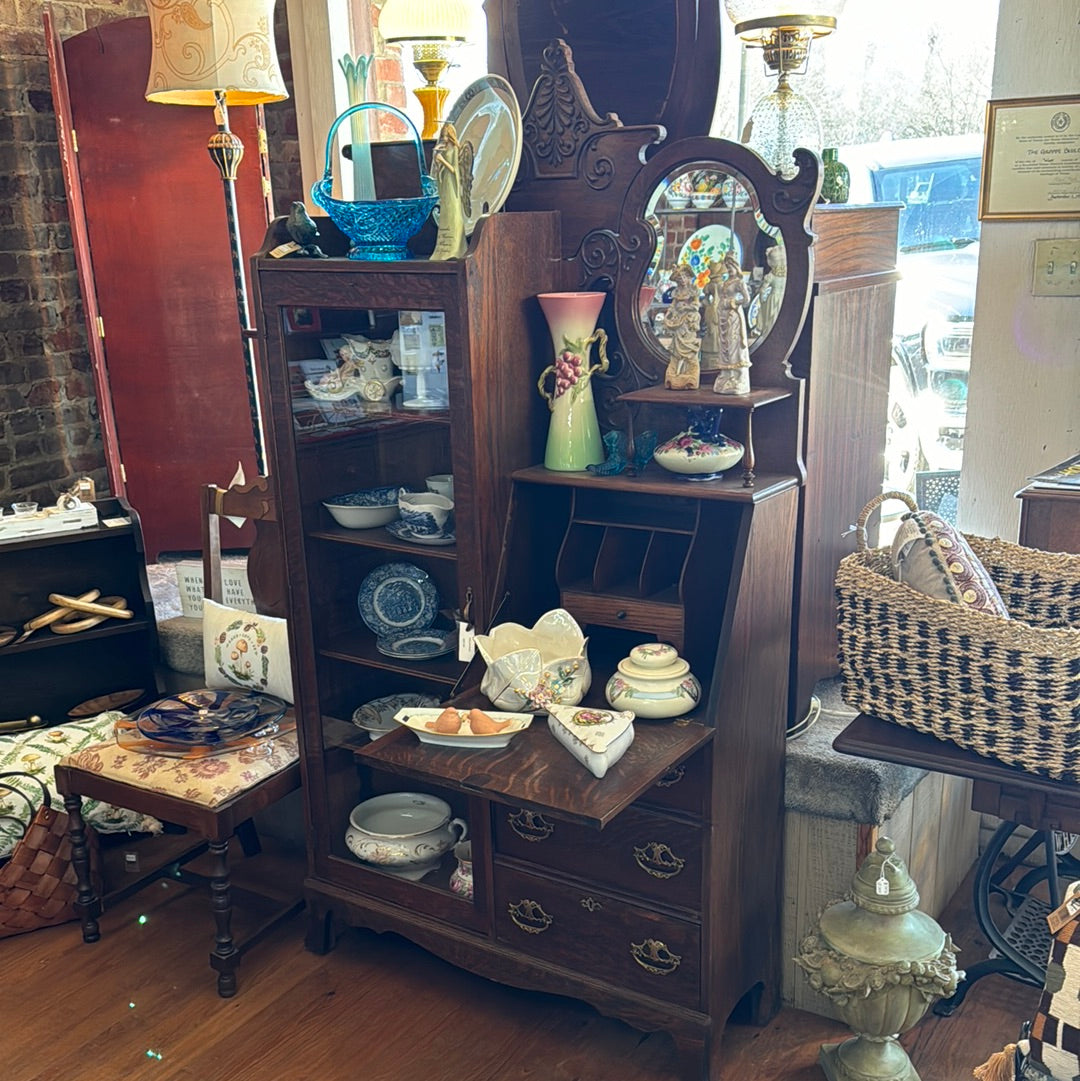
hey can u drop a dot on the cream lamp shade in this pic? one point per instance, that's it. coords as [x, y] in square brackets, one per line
[425, 20]
[205, 47]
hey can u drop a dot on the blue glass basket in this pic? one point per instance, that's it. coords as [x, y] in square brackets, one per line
[379, 229]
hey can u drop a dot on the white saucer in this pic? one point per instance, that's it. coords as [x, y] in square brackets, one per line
[400, 530]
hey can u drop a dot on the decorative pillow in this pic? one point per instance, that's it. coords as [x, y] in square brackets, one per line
[37, 752]
[931, 556]
[1055, 1032]
[242, 649]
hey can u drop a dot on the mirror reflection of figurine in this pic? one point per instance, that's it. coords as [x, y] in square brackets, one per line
[452, 171]
[734, 364]
[710, 340]
[772, 289]
[683, 321]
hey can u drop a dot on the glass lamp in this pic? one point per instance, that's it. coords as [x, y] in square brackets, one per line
[432, 27]
[220, 53]
[783, 31]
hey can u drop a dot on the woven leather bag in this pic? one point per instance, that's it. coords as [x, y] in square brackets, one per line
[37, 884]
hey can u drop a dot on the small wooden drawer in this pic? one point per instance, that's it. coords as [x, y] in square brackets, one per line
[592, 933]
[663, 619]
[683, 788]
[647, 854]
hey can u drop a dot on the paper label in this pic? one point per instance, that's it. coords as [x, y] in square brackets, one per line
[283, 249]
[466, 641]
[1067, 911]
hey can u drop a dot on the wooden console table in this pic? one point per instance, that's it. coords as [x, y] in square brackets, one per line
[1018, 798]
[1049, 519]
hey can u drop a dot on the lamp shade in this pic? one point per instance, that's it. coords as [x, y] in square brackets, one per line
[200, 47]
[425, 20]
[754, 19]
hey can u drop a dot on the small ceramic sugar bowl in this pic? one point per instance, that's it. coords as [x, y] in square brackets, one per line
[654, 682]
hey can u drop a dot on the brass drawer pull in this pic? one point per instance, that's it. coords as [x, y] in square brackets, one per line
[672, 777]
[530, 826]
[658, 860]
[591, 904]
[529, 916]
[655, 957]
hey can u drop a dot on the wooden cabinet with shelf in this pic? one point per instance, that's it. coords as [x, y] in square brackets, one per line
[48, 674]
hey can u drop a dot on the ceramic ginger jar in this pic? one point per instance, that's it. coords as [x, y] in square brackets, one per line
[653, 682]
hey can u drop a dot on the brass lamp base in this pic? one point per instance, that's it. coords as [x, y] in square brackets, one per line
[862, 1059]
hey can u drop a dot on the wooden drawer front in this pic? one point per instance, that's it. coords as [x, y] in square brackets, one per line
[649, 855]
[651, 617]
[682, 788]
[590, 932]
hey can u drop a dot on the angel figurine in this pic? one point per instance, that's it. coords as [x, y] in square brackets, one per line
[452, 169]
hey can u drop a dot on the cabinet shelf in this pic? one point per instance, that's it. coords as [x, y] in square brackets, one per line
[379, 538]
[46, 639]
[358, 647]
[655, 482]
[535, 773]
[706, 398]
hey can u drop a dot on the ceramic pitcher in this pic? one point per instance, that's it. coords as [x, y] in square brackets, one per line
[574, 433]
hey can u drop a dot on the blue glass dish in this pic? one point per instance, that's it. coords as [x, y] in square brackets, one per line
[207, 718]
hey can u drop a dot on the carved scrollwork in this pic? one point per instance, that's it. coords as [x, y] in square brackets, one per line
[591, 904]
[529, 916]
[655, 957]
[530, 826]
[658, 860]
[802, 189]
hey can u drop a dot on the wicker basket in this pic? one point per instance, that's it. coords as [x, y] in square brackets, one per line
[1008, 689]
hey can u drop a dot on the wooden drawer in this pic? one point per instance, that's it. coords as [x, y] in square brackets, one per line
[641, 852]
[592, 933]
[663, 619]
[683, 788]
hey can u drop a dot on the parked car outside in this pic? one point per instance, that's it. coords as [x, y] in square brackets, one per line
[937, 181]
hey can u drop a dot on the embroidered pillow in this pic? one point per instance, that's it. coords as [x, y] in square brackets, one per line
[242, 649]
[931, 556]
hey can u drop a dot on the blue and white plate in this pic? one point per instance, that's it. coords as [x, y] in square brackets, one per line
[403, 532]
[398, 598]
[418, 645]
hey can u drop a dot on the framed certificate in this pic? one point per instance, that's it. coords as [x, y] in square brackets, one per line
[1031, 159]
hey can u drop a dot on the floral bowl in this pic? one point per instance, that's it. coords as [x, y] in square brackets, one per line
[365, 509]
[702, 459]
[530, 668]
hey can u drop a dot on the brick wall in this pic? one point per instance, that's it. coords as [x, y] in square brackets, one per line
[49, 431]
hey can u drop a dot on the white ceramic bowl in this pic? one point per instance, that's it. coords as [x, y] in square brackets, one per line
[403, 830]
[529, 668]
[365, 509]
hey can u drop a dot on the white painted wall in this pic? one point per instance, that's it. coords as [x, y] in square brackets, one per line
[1024, 385]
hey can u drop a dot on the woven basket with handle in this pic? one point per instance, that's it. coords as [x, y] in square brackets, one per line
[1008, 689]
[37, 884]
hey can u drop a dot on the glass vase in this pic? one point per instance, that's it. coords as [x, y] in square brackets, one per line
[573, 441]
[835, 177]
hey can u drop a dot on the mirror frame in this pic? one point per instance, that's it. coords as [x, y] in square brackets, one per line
[785, 204]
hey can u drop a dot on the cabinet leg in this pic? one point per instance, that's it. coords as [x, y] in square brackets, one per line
[321, 936]
[87, 902]
[694, 1056]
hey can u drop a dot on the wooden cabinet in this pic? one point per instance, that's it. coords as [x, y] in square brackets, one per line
[48, 673]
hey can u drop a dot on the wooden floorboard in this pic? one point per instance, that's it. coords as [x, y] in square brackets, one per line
[378, 1009]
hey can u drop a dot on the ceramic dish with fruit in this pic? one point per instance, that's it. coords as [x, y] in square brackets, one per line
[474, 728]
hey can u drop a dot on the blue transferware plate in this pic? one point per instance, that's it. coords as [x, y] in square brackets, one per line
[377, 716]
[418, 645]
[207, 717]
[386, 496]
[398, 598]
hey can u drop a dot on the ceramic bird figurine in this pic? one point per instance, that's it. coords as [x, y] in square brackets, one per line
[303, 231]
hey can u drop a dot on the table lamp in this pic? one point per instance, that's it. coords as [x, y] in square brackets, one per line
[220, 53]
[432, 27]
[784, 31]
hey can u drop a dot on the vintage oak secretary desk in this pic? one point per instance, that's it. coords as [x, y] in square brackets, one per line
[654, 893]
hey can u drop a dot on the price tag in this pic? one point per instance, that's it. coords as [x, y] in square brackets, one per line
[1067, 911]
[466, 641]
[881, 886]
[283, 249]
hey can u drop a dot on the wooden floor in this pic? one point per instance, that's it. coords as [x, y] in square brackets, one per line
[141, 1004]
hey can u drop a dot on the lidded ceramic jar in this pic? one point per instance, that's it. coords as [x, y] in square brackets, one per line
[653, 682]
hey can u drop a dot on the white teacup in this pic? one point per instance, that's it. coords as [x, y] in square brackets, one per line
[441, 483]
[426, 514]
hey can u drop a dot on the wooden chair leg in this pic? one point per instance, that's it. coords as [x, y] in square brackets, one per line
[87, 902]
[226, 956]
[248, 836]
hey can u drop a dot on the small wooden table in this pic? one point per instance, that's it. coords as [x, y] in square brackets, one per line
[1017, 797]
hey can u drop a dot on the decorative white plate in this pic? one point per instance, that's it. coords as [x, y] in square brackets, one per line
[709, 243]
[418, 719]
[402, 531]
[377, 716]
[396, 599]
[488, 116]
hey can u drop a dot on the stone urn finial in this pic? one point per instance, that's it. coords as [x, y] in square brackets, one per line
[881, 962]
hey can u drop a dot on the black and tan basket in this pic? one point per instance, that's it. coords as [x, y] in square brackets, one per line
[1008, 689]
